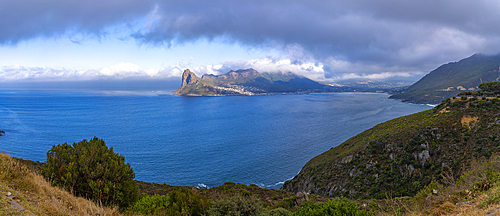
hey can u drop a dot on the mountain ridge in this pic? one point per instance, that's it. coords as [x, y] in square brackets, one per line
[452, 78]
[246, 82]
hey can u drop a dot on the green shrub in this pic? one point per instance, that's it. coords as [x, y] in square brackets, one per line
[332, 207]
[280, 212]
[287, 203]
[235, 206]
[244, 192]
[91, 169]
[183, 202]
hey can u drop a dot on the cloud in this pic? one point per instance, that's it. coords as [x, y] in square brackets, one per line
[126, 71]
[27, 19]
[346, 37]
[120, 71]
[274, 65]
[381, 34]
[311, 70]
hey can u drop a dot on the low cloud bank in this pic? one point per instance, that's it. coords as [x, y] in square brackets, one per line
[129, 72]
[381, 36]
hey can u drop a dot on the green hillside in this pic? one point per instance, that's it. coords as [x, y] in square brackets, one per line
[450, 79]
[403, 155]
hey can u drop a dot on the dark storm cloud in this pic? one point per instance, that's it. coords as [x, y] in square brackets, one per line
[363, 36]
[26, 19]
[392, 35]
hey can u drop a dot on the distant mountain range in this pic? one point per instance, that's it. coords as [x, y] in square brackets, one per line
[446, 81]
[246, 82]
[450, 79]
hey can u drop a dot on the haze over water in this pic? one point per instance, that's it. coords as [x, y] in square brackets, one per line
[194, 140]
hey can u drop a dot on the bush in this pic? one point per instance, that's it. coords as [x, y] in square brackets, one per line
[235, 206]
[287, 203]
[280, 212]
[90, 169]
[332, 207]
[183, 202]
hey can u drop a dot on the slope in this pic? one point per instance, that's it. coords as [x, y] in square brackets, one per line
[37, 196]
[450, 79]
[401, 156]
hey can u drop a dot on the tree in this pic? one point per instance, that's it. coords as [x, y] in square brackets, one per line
[91, 169]
[493, 87]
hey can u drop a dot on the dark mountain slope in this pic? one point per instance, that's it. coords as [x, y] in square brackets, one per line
[450, 79]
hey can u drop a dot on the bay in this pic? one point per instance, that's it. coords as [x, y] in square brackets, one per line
[192, 141]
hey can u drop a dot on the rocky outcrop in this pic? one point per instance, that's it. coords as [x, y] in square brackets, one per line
[301, 197]
[188, 77]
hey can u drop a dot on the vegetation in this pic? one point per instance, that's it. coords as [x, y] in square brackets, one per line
[475, 192]
[280, 212]
[402, 156]
[178, 202]
[91, 169]
[437, 162]
[37, 196]
[236, 206]
[332, 207]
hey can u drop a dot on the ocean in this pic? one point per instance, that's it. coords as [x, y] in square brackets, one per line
[194, 141]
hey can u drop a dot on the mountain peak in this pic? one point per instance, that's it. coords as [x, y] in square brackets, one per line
[245, 82]
[188, 77]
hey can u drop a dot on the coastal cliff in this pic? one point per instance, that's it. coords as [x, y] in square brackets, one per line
[403, 155]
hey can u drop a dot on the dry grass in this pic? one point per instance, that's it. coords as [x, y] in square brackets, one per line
[38, 196]
[468, 121]
[476, 192]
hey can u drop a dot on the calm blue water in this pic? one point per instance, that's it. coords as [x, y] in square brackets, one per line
[188, 141]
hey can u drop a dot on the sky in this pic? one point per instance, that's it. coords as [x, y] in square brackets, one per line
[106, 41]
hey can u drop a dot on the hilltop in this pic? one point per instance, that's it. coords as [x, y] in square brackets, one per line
[403, 155]
[25, 192]
[246, 82]
[450, 79]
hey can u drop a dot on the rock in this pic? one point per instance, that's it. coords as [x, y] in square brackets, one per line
[187, 78]
[464, 203]
[301, 197]
[423, 156]
[2, 132]
[347, 159]
[493, 212]
[16, 206]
